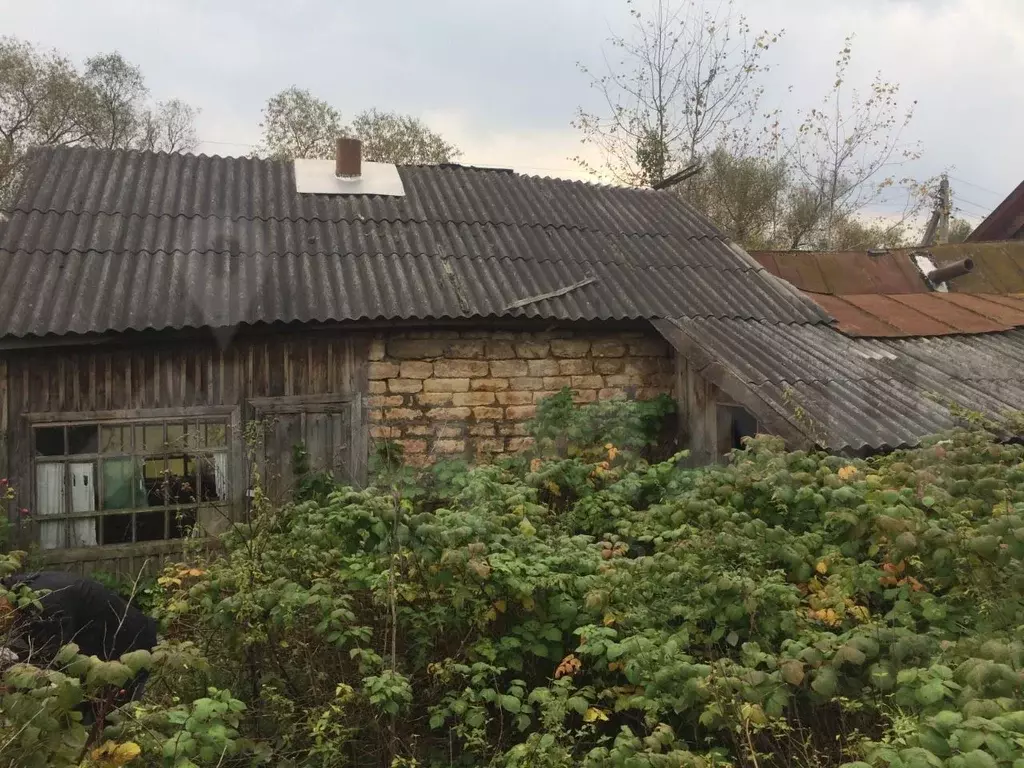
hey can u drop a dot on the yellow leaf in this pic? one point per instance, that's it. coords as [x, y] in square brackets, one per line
[552, 486]
[592, 714]
[609, 619]
[164, 581]
[528, 603]
[821, 567]
[847, 472]
[113, 755]
[500, 606]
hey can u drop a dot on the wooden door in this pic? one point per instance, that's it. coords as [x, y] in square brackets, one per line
[327, 430]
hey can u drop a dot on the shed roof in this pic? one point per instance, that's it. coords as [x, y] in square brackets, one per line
[1006, 222]
[118, 240]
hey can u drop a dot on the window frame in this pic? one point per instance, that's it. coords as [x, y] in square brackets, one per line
[195, 416]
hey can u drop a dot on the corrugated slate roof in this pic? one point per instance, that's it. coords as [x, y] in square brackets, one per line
[1006, 222]
[114, 240]
[866, 394]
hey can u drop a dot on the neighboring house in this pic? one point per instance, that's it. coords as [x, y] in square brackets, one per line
[167, 319]
[157, 307]
[1006, 222]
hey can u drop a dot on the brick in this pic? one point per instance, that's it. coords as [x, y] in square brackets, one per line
[450, 446]
[508, 368]
[484, 414]
[547, 367]
[473, 398]
[643, 366]
[648, 348]
[382, 401]
[383, 370]
[520, 412]
[611, 393]
[569, 347]
[519, 443]
[607, 365]
[418, 460]
[378, 387]
[621, 380]
[446, 385]
[375, 414]
[401, 414]
[434, 399]
[514, 398]
[416, 369]
[584, 396]
[405, 385]
[482, 430]
[529, 383]
[575, 367]
[385, 433]
[512, 429]
[377, 349]
[466, 349]
[664, 381]
[557, 382]
[532, 349]
[499, 350]
[489, 385]
[434, 431]
[461, 368]
[490, 446]
[542, 394]
[449, 414]
[416, 349]
[413, 446]
[587, 382]
[607, 348]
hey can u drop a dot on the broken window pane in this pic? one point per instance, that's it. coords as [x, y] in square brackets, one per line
[149, 526]
[116, 529]
[121, 483]
[182, 523]
[155, 483]
[116, 439]
[50, 441]
[216, 435]
[83, 439]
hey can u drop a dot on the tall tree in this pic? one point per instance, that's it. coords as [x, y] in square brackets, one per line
[959, 229]
[46, 100]
[298, 124]
[683, 77]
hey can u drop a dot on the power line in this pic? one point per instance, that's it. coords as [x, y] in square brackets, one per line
[976, 186]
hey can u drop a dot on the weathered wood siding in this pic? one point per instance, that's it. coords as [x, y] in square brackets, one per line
[185, 375]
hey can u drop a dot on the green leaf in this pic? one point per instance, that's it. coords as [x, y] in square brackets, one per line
[436, 721]
[579, 704]
[825, 682]
[931, 693]
[792, 672]
[732, 638]
[979, 759]
[511, 704]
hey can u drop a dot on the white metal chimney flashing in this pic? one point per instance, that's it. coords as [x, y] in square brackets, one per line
[316, 177]
[347, 174]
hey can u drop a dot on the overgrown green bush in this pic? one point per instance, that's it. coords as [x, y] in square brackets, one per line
[591, 608]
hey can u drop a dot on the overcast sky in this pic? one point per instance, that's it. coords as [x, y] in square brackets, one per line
[499, 77]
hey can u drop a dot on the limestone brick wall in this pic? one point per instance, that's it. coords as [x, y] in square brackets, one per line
[468, 394]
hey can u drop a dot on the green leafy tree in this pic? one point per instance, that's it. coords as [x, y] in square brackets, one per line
[46, 100]
[959, 229]
[298, 124]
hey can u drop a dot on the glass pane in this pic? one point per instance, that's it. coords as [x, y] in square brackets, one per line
[50, 441]
[84, 493]
[116, 529]
[83, 439]
[176, 436]
[149, 438]
[216, 435]
[120, 480]
[154, 480]
[181, 480]
[116, 439]
[149, 526]
[213, 477]
[182, 523]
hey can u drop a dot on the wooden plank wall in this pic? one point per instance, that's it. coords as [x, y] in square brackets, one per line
[167, 374]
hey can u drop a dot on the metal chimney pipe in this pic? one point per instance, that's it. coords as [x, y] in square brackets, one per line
[950, 271]
[348, 158]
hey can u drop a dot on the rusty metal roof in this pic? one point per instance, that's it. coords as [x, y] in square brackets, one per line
[117, 240]
[865, 394]
[887, 295]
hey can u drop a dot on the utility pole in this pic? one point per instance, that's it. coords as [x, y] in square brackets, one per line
[937, 232]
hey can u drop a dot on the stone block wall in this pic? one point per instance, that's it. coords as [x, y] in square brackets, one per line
[469, 394]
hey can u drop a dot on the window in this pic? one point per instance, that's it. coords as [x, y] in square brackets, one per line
[734, 423]
[122, 482]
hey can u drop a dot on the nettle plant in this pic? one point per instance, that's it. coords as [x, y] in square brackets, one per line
[585, 605]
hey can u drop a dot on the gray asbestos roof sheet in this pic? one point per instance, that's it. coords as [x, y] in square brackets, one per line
[113, 240]
[857, 394]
